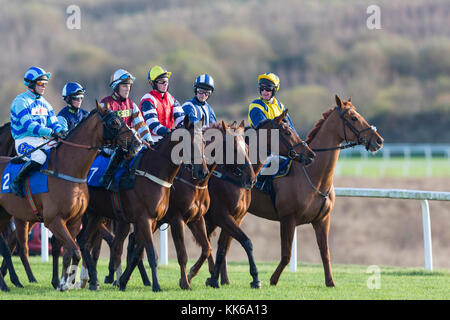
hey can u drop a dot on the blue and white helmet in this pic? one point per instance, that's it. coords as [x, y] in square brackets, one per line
[204, 81]
[35, 73]
[72, 89]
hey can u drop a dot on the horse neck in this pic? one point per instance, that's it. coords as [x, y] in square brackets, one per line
[74, 161]
[158, 162]
[324, 164]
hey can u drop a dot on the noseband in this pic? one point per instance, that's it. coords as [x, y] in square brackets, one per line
[356, 132]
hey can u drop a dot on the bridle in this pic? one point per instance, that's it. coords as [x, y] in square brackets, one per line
[291, 154]
[356, 132]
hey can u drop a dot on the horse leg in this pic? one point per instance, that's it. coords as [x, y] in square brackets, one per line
[131, 244]
[229, 226]
[132, 262]
[115, 258]
[22, 230]
[12, 272]
[3, 286]
[85, 240]
[196, 267]
[198, 229]
[177, 228]
[321, 229]
[144, 238]
[11, 240]
[56, 253]
[287, 229]
[224, 280]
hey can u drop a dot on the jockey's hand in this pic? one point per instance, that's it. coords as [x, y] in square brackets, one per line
[145, 143]
[57, 135]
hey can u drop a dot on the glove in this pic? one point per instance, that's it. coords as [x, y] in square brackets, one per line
[57, 135]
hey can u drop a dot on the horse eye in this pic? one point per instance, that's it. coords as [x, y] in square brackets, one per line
[288, 133]
[354, 119]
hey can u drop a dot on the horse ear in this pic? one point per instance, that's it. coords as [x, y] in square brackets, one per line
[242, 125]
[100, 108]
[338, 101]
[350, 99]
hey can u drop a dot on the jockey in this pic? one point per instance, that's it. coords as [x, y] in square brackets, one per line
[197, 107]
[73, 95]
[267, 106]
[160, 109]
[119, 101]
[33, 121]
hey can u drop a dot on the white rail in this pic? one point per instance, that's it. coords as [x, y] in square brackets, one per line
[423, 196]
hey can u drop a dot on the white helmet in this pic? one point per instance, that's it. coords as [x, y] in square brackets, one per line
[120, 76]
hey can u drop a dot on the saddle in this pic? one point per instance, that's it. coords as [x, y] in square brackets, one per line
[264, 182]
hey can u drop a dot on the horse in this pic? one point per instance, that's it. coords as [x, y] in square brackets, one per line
[144, 205]
[230, 199]
[62, 208]
[307, 195]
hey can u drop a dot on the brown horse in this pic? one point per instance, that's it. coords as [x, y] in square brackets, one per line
[307, 195]
[63, 206]
[230, 200]
[144, 205]
[190, 201]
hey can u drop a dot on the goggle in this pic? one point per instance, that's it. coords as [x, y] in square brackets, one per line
[205, 92]
[77, 98]
[165, 81]
[42, 83]
[266, 88]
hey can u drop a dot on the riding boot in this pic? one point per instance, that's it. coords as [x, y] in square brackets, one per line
[17, 186]
[108, 178]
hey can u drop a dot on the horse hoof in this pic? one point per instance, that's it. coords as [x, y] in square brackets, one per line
[330, 284]
[5, 288]
[255, 285]
[109, 279]
[212, 283]
[184, 286]
[94, 287]
[147, 283]
[156, 289]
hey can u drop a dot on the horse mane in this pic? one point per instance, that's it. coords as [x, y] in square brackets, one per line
[318, 125]
[71, 132]
[5, 126]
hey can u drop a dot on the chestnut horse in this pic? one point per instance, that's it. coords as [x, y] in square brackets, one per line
[307, 195]
[230, 201]
[63, 206]
[144, 205]
[189, 201]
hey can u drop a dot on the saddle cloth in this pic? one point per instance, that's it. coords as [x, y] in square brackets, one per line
[38, 180]
[265, 182]
[122, 174]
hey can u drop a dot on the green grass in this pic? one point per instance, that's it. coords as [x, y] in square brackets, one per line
[306, 283]
[377, 167]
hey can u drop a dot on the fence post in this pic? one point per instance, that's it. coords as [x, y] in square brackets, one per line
[293, 262]
[164, 259]
[427, 235]
[44, 243]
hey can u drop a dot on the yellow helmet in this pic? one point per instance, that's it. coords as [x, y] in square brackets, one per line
[269, 78]
[156, 72]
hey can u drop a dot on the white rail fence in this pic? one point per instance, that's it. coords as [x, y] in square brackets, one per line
[423, 196]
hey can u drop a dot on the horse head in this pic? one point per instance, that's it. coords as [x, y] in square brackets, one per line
[240, 166]
[116, 132]
[355, 128]
[289, 143]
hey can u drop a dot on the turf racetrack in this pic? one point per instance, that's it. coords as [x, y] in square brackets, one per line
[352, 282]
